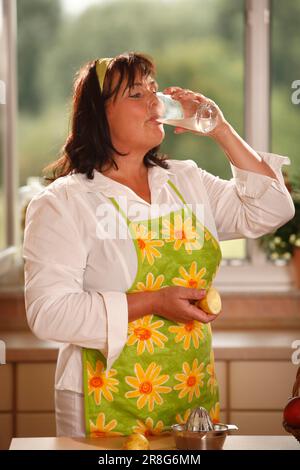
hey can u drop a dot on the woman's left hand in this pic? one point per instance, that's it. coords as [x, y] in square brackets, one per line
[185, 96]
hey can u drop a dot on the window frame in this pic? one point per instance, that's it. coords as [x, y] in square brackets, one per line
[10, 170]
[255, 272]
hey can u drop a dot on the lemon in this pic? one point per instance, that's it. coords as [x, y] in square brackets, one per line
[211, 303]
[136, 442]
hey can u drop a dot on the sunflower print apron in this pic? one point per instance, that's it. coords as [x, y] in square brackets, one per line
[166, 368]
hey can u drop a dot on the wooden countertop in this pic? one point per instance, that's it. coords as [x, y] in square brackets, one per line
[23, 346]
[156, 443]
[252, 310]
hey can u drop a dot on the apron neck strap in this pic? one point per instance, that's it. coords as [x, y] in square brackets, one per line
[118, 208]
[176, 191]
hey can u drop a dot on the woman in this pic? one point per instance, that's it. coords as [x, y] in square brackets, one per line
[116, 254]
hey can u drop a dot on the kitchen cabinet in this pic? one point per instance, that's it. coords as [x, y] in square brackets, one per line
[260, 422]
[6, 405]
[254, 371]
[6, 388]
[35, 389]
[260, 385]
[35, 399]
[6, 426]
[33, 424]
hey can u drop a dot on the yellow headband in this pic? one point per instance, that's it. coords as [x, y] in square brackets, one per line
[101, 68]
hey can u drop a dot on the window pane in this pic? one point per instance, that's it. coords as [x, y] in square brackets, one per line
[2, 132]
[234, 249]
[192, 42]
[285, 74]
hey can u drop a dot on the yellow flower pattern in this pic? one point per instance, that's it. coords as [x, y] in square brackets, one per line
[100, 429]
[212, 383]
[182, 232]
[147, 243]
[215, 413]
[180, 420]
[166, 368]
[147, 428]
[187, 332]
[190, 381]
[151, 284]
[208, 236]
[101, 382]
[145, 334]
[192, 279]
[148, 386]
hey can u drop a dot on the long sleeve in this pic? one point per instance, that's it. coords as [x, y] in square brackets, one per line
[57, 306]
[250, 204]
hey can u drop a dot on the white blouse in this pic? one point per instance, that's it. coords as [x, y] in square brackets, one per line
[76, 279]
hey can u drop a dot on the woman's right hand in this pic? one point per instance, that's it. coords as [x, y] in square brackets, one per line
[177, 304]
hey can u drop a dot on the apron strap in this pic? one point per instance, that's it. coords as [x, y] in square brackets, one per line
[118, 208]
[186, 206]
[176, 191]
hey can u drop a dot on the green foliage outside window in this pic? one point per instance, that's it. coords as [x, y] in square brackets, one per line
[197, 44]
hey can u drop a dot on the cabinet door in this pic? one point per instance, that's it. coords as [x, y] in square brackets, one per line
[261, 385]
[36, 425]
[6, 430]
[35, 387]
[6, 387]
[258, 422]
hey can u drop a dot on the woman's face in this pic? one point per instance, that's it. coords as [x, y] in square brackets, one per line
[132, 117]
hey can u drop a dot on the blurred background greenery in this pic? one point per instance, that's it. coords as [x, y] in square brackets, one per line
[189, 41]
[197, 44]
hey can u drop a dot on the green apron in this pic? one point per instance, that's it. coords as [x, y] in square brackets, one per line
[166, 368]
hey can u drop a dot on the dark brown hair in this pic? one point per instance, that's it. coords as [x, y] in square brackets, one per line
[89, 144]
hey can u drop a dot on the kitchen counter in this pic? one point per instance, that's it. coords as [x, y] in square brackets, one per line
[156, 443]
[23, 346]
[250, 309]
[254, 370]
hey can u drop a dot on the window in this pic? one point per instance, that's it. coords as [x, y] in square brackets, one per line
[198, 44]
[286, 81]
[258, 275]
[2, 131]
[193, 44]
[8, 173]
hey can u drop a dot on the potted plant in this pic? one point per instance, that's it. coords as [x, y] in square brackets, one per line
[283, 245]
